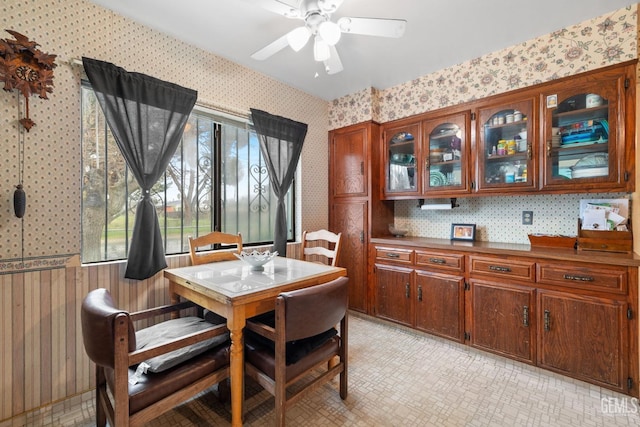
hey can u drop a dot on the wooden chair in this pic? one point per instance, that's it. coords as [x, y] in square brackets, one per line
[111, 341]
[321, 245]
[295, 346]
[214, 238]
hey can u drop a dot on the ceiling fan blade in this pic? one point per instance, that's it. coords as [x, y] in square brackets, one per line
[373, 26]
[333, 65]
[272, 48]
[289, 9]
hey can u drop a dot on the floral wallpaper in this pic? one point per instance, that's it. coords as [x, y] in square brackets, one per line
[592, 44]
[49, 235]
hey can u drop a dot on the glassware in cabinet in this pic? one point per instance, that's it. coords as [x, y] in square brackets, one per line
[445, 155]
[506, 147]
[581, 135]
[400, 160]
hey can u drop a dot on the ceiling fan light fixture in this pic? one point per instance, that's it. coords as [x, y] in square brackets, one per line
[344, 24]
[320, 49]
[329, 6]
[330, 32]
[298, 38]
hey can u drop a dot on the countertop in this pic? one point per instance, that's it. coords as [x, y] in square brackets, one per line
[514, 249]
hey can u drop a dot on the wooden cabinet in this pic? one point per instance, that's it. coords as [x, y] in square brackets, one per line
[502, 306]
[350, 218]
[584, 337]
[394, 293]
[585, 134]
[575, 134]
[506, 145]
[355, 209]
[439, 304]
[575, 314]
[349, 150]
[422, 289]
[402, 168]
[445, 148]
[501, 319]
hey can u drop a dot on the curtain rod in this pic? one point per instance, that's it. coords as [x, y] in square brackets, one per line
[231, 112]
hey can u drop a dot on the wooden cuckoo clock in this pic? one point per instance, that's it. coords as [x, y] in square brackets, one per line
[27, 69]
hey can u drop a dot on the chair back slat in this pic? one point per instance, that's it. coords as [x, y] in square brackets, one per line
[214, 238]
[321, 245]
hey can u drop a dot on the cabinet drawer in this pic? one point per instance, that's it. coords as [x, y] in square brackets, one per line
[497, 267]
[440, 261]
[583, 277]
[401, 256]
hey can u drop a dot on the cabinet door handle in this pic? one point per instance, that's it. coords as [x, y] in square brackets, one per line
[362, 236]
[579, 278]
[407, 289]
[500, 268]
[392, 255]
[420, 293]
[361, 168]
[426, 164]
[525, 315]
[547, 320]
[437, 261]
[529, 151]
[549, 149]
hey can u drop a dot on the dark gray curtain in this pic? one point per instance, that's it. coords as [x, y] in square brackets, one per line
[281, 142]
[147, 118]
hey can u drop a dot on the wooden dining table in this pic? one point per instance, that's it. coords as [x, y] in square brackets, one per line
[233, 290]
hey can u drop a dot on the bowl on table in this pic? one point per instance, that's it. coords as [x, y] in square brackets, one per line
[256, 259]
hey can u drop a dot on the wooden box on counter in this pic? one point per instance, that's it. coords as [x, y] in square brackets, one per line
[605, 241]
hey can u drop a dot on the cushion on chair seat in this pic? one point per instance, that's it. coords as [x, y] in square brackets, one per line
[155, 386]
[170, 330]
[296, 349]
[261, 356]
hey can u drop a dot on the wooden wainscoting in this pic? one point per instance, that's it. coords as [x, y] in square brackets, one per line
[42, 358]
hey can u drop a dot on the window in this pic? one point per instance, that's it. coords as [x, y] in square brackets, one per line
[216, 180]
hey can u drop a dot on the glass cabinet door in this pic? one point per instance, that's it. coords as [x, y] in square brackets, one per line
[506, 148]
[582, 144]
[402, 144]
[445, 155]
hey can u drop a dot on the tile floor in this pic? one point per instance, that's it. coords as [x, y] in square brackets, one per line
[400, 377]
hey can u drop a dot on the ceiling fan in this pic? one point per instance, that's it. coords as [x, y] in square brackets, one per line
[316, 15]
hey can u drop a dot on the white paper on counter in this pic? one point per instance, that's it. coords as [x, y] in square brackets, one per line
[621, 204]
[594, 219]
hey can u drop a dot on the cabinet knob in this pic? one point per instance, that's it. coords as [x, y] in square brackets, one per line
[407, 289]
[525, 315]
[420, 293]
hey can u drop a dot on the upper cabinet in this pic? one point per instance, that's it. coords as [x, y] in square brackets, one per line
[506, 146]
[424, 158]
[401, 160]
[349, 165]
[572, 135]
[446, 155]
[585, 144]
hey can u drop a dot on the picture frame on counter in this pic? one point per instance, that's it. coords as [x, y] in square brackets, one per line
[463, 232]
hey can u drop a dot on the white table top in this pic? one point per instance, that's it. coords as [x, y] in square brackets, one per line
[235, 278]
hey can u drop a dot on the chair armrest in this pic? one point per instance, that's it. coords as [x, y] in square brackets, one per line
[262, 329]
[138, 356]
[163, 309]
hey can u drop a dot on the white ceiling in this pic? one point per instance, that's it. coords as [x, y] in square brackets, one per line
[439, 34]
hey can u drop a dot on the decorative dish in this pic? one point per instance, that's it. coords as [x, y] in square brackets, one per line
[437, 179]
[397, 232]
[256, 259]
